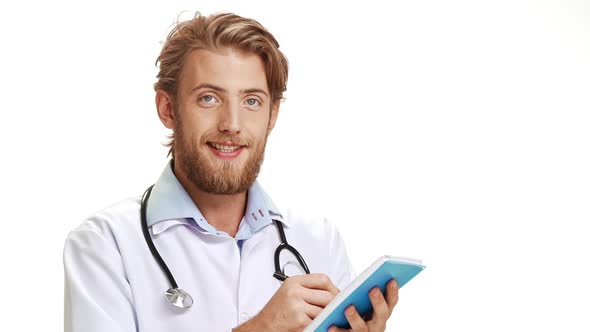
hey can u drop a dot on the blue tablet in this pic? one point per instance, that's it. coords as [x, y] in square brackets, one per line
[357, 292]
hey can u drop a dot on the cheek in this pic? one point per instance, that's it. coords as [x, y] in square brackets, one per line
[259, 136]
[195, 127]
[257, 126]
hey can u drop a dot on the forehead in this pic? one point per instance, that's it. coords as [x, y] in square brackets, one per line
[228, 68]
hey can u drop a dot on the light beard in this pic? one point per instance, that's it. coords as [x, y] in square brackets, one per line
[220, 177]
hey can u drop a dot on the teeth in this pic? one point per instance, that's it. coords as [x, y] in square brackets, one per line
[225, 148]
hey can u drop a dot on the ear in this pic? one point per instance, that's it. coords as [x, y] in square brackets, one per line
[274, 113]
[164, 105]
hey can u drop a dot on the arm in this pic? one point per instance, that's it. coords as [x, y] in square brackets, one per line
[97, 296]
[299, 300]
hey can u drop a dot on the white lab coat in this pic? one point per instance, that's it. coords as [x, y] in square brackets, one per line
[113, 284]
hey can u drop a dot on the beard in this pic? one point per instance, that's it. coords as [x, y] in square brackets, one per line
[218, 176]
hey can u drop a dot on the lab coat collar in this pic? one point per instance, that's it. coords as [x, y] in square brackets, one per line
[169, 204]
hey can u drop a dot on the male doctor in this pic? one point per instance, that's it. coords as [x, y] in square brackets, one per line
[219, 88]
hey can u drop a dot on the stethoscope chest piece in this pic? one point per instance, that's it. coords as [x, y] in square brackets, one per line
[179, 298]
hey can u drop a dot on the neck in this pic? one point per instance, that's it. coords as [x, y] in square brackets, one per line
[224, 212]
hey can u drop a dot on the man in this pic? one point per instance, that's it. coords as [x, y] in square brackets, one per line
[219, 89]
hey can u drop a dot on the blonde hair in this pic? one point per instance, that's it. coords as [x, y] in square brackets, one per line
[214, 32]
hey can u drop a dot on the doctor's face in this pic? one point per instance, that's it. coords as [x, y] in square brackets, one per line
[223, 117]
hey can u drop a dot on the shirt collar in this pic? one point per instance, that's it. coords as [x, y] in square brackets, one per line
[260, 209]
[170, 204]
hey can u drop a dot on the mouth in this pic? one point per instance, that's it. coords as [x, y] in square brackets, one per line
[226, 150]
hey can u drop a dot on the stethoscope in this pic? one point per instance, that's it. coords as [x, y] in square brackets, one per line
[181, 298]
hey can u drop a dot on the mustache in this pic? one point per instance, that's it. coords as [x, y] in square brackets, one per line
[221, 138]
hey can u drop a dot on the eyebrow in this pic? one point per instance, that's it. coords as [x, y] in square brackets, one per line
[222, 90]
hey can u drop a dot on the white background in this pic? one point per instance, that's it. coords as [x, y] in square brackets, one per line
[452, 131]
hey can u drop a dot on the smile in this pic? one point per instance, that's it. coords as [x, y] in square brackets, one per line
[225, 148]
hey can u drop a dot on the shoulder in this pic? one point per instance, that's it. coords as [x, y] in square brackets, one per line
[109, 223]
[311, 222]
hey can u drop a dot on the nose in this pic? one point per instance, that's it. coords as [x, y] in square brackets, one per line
[229, 118]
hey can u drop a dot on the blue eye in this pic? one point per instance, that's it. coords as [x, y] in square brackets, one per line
[208, 98]
[252, 102]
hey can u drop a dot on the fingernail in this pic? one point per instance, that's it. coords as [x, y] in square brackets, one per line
[393, 284]
[374, 292]
[349, 311]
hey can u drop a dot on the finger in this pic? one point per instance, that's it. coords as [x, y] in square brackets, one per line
[392, 294]
[355, 320]
[380, 309]
[335, 328]
[312, 311]
[317, 297]
[316, 281]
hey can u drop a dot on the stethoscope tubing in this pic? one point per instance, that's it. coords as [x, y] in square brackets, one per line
[171, 293]
[148, 238]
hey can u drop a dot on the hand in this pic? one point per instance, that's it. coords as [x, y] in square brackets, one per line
[381, 311]
[299, 300]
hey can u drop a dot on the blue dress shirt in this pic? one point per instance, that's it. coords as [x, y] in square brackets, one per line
[169, 201]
